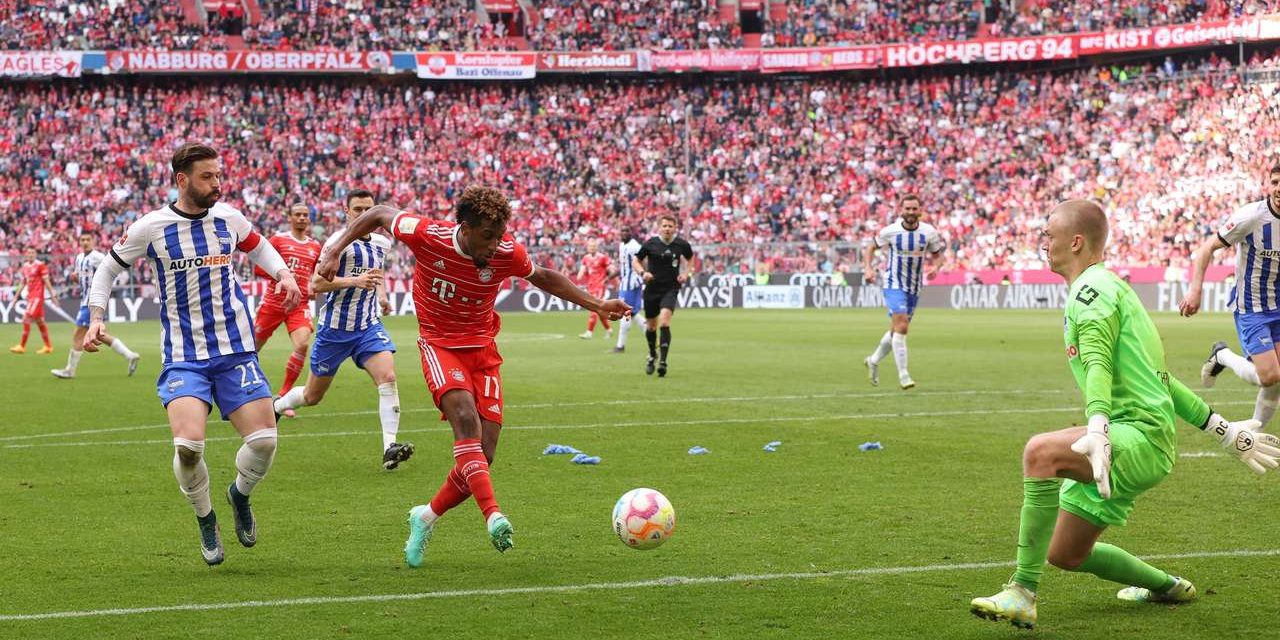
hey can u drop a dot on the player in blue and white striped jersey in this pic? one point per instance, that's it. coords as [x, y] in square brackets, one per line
[1254, 230]
[630, 286]
[909, 244]
[85, 265]
[207, 334]
[350, 326]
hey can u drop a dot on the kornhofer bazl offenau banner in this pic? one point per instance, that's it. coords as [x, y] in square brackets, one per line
[495, 65]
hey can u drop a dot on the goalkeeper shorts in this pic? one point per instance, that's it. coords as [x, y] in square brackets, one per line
[1136, 465]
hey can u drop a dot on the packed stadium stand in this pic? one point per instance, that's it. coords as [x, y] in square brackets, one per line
[753, 162]
[569, 25]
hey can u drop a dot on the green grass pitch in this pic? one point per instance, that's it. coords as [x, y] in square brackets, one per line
[818, 540]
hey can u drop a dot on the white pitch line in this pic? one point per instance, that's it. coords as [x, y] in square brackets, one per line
[671, 581]
[598, 425]
[593, 403]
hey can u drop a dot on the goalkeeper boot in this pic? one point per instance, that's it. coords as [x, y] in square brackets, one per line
[1209, 372]
[873, 371]
[1016, 604]
[500, 532]
[210, 539]
[1181, 591]
[246, 527]
[419, 535]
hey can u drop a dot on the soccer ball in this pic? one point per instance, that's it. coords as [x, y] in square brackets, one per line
[643, 518]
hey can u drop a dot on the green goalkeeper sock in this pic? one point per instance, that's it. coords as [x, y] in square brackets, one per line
[1110, 562]
[1039, 513]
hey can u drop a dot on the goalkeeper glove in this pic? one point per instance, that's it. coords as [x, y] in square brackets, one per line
[1256, 449]
[1095, 445]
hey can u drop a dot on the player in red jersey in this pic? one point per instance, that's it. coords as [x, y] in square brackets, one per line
[596, 268]
[300, 252]
[35, 275]
[461, 266]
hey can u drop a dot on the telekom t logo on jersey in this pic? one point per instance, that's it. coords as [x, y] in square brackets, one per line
[443, 289]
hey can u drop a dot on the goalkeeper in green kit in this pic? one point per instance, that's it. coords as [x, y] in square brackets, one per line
[1079, 481]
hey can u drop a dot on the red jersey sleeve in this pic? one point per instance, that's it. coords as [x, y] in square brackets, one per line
[407, 227]
[521, 265]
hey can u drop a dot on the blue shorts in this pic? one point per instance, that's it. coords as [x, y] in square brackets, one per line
[899, 301]
[230, 381]
[82, 318]
[333, 346]
[634, 299]
[1259, 332]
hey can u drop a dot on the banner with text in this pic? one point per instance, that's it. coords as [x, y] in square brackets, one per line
[248, 61]
[589, 61]
[477, 66]
[28, 64]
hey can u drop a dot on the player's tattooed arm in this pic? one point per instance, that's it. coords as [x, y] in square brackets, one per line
[559, 285]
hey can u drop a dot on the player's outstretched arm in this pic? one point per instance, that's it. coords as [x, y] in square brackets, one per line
[868, 258]
[378, 216]
[99, 291]
[1258, 451]
[559, 285]
[1203, 255]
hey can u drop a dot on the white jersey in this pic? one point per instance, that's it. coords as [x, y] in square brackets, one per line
[1254, 229]
[203, 312]
[86, 264]
[354, 309]
[628, 279]
[904, 264]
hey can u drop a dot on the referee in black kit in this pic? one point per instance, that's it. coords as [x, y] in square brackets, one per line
[663, 262]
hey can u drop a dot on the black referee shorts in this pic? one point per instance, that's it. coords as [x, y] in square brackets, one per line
[657, 299]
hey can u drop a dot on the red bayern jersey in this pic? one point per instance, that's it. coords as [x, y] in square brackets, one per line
[301, 257]
[452, 297]
[34, 273]
[597, 270]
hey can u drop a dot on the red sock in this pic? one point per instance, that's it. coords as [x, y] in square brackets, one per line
[44, 334]
[591, 322]
[26, 331]
[452, 493]
[291, 371]
[474, 469]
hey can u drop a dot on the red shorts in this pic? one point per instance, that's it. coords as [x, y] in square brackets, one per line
[35, 310]
[270, 318]
[474, 370]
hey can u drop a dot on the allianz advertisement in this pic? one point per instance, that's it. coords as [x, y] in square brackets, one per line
[726, 293]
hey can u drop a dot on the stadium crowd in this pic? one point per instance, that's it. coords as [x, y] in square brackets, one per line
[572, 25]
[748, 162]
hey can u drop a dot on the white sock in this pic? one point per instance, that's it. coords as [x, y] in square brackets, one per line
[292, 400]
[389, 412]
[119, 347]
[253, 460]
[623, 328]
[73, 360]
[429, 516]
[882, 349]
[1240, 366]
[193, 476]
[1265, 407]
[900, 353]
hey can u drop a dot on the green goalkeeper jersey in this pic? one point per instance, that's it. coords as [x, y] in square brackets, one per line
[1117, 357]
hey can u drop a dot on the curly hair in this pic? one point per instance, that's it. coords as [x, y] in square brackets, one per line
[480, 205]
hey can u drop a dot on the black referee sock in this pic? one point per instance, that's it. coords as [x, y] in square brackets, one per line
[665, 343]
[652, 337]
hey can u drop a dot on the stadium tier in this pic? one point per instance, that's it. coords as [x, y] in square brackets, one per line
[566, 25]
